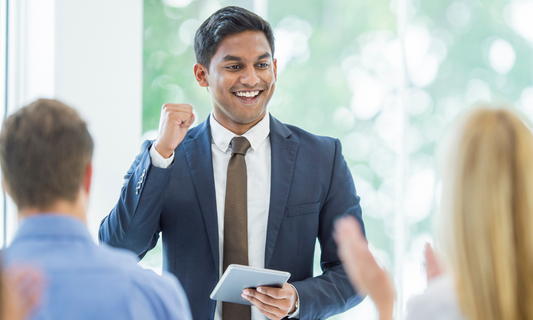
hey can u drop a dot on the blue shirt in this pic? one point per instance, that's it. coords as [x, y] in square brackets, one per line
[86, 281]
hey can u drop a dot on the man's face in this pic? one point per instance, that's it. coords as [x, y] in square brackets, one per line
[241, 80]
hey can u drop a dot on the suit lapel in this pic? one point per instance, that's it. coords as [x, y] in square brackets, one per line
[283, 157]
[199, 157]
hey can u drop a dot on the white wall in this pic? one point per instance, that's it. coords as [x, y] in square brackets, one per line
[87, 53]
[99, 71]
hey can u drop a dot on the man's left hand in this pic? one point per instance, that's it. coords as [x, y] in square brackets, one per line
[274, 303]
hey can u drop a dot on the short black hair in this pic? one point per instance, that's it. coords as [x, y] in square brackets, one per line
[227, 21]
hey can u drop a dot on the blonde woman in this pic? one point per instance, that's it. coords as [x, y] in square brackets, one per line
[486, 229]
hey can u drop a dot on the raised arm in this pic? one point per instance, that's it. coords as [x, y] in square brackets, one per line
[134, 222]
[362, 268]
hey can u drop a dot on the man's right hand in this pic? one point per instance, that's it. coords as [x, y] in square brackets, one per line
[176, 118]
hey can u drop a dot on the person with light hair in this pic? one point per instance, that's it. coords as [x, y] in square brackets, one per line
[485, 229]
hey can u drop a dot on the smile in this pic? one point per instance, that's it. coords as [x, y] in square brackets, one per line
[248, 96]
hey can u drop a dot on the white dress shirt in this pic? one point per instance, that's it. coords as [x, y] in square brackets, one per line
[438, 302]
[258, 168]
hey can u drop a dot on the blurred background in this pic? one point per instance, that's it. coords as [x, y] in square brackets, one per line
[385, 77]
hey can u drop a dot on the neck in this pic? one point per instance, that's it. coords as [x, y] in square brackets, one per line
[238, 128]
[74, 209]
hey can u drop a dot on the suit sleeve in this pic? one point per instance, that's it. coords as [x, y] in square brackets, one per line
[332, 293]
[134, 222]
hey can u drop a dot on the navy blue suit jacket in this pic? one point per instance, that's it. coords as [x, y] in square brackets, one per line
[311, 186]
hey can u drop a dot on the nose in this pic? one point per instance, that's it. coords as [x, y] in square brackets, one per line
[249, 77]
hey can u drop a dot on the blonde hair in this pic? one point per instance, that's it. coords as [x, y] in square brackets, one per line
[488, 215]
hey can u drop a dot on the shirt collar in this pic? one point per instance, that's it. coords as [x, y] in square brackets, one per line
[257, 134]
[50, 224]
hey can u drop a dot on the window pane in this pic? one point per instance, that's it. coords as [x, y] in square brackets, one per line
[457, 54]
[341, 74]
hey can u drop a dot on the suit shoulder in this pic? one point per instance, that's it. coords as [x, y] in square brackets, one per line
[308, 137]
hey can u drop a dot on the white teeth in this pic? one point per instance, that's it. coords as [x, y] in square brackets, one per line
[248, 94]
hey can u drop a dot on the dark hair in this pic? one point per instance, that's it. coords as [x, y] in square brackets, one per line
[224, 22]
[44, 151]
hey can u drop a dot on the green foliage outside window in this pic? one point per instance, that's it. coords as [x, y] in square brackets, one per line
[341, 73]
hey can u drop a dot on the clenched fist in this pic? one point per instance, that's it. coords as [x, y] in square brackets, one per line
[176, 118]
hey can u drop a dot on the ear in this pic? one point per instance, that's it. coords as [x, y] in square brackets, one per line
[200, 73]
[275, 66]
[87, 178]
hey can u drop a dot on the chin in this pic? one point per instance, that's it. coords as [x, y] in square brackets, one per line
[247, 118]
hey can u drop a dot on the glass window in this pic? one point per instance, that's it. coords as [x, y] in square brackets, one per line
[385, 77]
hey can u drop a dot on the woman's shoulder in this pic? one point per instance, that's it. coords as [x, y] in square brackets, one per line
[438, 302]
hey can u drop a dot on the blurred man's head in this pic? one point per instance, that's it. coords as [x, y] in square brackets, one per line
[45, 155]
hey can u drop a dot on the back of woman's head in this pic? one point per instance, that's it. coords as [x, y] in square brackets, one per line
[488, 207]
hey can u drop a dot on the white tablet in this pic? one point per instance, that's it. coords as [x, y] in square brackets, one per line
[238, 277]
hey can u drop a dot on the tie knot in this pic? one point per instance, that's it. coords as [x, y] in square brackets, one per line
[240, 145]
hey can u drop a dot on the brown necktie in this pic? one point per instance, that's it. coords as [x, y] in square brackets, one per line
[236, 222]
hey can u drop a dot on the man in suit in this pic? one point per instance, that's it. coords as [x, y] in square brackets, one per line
[239, 188]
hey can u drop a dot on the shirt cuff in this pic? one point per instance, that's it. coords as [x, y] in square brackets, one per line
[158, 160]
[296, 313]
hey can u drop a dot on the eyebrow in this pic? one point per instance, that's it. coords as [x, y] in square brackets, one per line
[231, 58]
[264, 55]
[234, 58]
